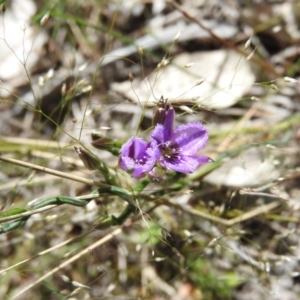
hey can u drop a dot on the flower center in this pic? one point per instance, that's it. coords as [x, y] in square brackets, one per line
[170, 152]
[141, 161]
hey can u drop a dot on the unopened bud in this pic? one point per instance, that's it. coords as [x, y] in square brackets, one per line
[104, 143]
[163, 111]
[89, 160]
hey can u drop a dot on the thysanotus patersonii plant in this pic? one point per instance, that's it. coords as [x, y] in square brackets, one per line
[169, 148]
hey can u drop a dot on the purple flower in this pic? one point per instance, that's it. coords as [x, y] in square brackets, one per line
[138, 156]
[178, 147]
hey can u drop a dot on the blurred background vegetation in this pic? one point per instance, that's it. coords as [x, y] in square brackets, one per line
[74, 72]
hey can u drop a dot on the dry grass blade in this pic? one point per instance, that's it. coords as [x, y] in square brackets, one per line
[70, 260]
[64, 243]
[49, 171]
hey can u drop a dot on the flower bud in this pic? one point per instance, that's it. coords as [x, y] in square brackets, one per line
[162, 111]
[104, 143]
[89, 160]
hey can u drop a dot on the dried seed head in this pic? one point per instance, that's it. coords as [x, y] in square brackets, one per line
[163, 63]
[186, 109]
[64, 89]
[141, 51]
[41, 81]
[253, 98]
[70, 92]
[199, 82]
[249, 57]
[44, 19]
[82, 67]
[131, 77]
[176, 38]
[82, 82]
[248, 43]
[86, 89]
[50, 73]
[188, 65]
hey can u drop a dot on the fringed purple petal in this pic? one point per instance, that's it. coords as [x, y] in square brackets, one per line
[134, 148]
[181, 163]
[190, 138]
[158, 134]
[138, 157]
[184, 163]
